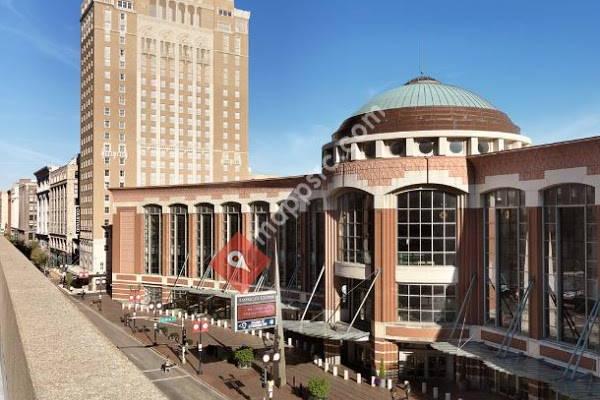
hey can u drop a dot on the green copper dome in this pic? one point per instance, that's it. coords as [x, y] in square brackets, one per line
[425, 92]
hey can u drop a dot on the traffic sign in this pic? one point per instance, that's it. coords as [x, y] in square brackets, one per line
[167, 320]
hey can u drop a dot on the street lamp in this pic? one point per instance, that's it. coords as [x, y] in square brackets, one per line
[155, 331]
[266, 360]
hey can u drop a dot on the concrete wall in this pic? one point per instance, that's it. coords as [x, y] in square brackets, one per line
[49, 350]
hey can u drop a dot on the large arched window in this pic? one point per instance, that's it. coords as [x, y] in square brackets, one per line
[260, 216]
[179, 240]
[426, 228]
[505, 248]
[570, 257]
[354, 228]
[232, 219]
[152, 239]
[205, 237]
[287, 236]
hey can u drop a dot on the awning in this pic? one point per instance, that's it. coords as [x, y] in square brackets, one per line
[323, 330]
[208, 292]
[583, 387]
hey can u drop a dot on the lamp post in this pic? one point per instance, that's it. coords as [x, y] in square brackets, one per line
[200, 327]
[199, 372]
[155, 332]
[267, 358]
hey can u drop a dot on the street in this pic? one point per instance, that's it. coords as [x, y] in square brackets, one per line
[177, 384]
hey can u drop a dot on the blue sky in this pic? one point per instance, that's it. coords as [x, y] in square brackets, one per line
[313, 62]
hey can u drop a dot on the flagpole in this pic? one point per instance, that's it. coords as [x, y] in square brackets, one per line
[280, 340]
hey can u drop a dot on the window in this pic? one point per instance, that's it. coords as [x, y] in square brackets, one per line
[179, 239]
[426, 228]
[289, 253]
[427, 147]
[152, 239]
[354, 228]
[231, 220]
[570, 259]
[260, 216]
[505, 256]
[205, 238]
[483, 146]
[456, 146]
[426, 303]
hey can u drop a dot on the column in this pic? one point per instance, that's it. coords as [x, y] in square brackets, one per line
[536, 271]
[192, 243]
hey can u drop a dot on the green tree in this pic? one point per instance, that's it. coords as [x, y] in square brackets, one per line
[38, 256]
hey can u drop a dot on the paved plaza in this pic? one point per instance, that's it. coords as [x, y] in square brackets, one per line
[221, 378]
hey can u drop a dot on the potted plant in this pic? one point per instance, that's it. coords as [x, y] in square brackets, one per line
[318, 388]
[243, 357]
[381, 375]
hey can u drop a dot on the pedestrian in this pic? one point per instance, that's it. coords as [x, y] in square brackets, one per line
[407, 390]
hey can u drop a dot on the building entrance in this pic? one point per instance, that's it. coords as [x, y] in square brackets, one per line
[424, 365]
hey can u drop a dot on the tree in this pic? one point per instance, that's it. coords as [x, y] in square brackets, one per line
[39, 256]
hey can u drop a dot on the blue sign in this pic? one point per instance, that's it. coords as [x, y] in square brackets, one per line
[256, 324]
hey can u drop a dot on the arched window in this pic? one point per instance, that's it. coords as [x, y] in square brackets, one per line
[152, 239]
[232, 219]
[354, 228]
[570, 258]
[287, 237]
[205, 238]
[427, 228]
[505, 249]
[179, 240]
[260, 216]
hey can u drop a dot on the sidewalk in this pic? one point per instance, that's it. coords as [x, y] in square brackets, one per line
[245, 384]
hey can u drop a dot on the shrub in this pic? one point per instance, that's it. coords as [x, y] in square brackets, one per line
[381, 373]
[69, 280]
[38, 256]
[244, 356]
[318, 388]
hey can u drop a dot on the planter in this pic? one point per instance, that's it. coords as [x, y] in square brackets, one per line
[243, 366]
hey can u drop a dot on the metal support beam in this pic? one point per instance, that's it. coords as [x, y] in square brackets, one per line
[364, 300]
[582, 342]
[463, 306]
[515, 322]
[313, 293]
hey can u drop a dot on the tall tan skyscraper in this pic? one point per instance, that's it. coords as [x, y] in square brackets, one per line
[164, 100]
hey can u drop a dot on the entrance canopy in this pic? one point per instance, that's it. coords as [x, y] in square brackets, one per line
[583, 387]
[206, 292]
[324, 330]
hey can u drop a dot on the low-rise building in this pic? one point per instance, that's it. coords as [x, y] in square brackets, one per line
[27, 210]
[43, 207]
[13, 217]
[63, 212]
[4, 212]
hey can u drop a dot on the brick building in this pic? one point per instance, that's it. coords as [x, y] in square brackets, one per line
[441, 232]
[164, 101]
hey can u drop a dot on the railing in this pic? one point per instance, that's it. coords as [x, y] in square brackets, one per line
[46, 342]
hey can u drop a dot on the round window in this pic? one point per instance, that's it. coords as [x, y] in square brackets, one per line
[397, 148]
[426, 147]
[483, 147]
[456, 147]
